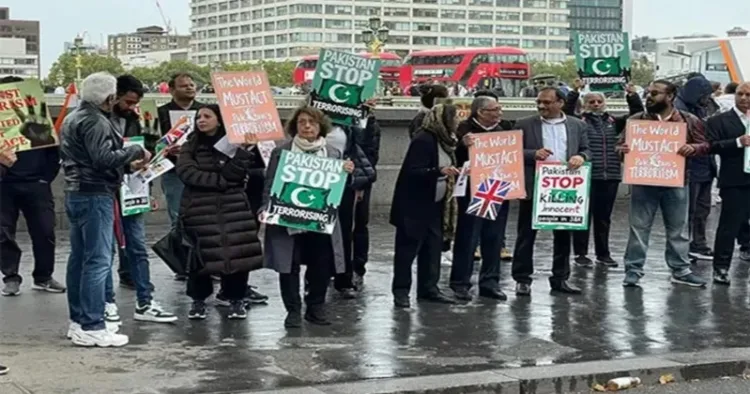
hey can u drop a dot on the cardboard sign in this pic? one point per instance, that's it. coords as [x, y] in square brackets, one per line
[133, 202]
[306, 192]
[653, 158]
[561, 197]
[24, 119]
[342, 82]
[498, 155]
[603, 60]
[247, 106]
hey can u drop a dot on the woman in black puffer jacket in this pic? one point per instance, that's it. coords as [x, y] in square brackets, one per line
[215, 213]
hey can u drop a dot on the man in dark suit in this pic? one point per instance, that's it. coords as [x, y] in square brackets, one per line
[549, 137]
[726, 133]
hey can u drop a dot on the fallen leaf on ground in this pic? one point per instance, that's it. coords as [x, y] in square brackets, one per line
[668, 378]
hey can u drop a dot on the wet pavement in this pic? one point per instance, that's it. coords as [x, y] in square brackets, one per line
[369, 339]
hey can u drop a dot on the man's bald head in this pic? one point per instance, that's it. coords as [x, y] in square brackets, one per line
[742, 97]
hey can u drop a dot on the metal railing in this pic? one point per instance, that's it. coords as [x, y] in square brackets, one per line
[394, 103]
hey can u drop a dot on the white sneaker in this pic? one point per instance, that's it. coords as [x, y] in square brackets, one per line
[99, 338]
[153, 312]
[74, 327]
[111, 313]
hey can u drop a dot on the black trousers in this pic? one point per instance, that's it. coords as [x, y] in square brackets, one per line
[699, 209]
[316, 252]
[735, 210]
[425, 245]
[346, 221]
[523, 255]
[233, 287]
[603, 196]
[361, 236]
[35, 200]
[743, 237]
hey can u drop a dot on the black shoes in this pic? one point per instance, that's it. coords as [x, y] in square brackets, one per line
[401, 302]
[523, 289]
[562, 286]
[315, 314]
[721, 277]
[438, 298]
[495, 294]
[293, 320]
[462, 295]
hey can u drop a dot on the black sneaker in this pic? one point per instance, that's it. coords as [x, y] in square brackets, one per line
[583, 261]
[50, 286]
[12, 288]
[197, 311]
[237, 311]
[253, 297]
[4, 370]
[691, 280]
[607, 262]
[705, 254]
[316, 315]
[462, 295]
[293, 320]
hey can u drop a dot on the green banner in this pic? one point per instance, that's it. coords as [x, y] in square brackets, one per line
[603, 60]
[133, 203]
[306, 192]
[342, 82]
[24, 119]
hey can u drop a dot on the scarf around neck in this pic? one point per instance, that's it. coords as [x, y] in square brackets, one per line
[316, 147]
[447, 141]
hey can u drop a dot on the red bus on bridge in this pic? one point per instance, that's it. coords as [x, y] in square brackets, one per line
[504, 67]
[390, 65]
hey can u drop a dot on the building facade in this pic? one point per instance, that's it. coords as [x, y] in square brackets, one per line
[601, 16]
[152, 59]
[144, 40]
[19, 50]
[253, 30]
[91, 49]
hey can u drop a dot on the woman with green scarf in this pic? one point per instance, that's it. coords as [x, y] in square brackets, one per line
[423, 209]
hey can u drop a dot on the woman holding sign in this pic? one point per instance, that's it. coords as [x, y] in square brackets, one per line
[215, 212]
[287, 248]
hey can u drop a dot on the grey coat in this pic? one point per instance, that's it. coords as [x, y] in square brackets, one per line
[578, 144]
[278, 245]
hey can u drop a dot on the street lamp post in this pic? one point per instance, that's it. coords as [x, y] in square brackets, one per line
[375, 37]
[78, 43]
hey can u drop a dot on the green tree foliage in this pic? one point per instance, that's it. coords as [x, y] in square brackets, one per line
[642, 71]
[63, 71]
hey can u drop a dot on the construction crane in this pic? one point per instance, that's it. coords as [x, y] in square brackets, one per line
[167, 22]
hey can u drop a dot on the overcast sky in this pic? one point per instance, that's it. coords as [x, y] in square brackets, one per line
[658, 18]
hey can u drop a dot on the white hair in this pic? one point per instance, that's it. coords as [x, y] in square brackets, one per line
[97, 87]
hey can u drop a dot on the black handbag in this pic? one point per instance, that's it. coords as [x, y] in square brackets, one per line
[179, 252]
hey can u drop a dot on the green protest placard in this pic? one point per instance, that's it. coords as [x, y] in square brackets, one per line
[138, 201]
[306, 192]
[24, 120]
[342, 82]
[561, 197]
[603, 60]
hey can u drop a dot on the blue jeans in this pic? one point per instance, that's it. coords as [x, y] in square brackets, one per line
[91, 219]
[134, 230]
[172, 187]
[489, 235]
[644, 202]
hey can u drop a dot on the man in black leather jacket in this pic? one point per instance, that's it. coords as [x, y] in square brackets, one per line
[93, 160]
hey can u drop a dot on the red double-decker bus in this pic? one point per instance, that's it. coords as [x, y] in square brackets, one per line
[490, 68]
[390, 65]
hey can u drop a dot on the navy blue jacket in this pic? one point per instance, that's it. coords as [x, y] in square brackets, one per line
[34, 166]
[689, 97]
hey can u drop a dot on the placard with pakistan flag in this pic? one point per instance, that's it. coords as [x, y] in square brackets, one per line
[342, 82]
[603, 60]
[306, 192]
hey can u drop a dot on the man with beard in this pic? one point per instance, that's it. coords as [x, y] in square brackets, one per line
[126, 123]
[673, 201]
[606, 172]
[26, 188]
[726, 132]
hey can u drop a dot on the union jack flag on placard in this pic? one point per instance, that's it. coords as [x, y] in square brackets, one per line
[488, 199]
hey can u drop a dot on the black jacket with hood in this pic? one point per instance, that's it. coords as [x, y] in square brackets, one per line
[689, 99]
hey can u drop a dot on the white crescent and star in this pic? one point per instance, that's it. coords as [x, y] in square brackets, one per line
[332, 93]
[295, 197]
[595, 67]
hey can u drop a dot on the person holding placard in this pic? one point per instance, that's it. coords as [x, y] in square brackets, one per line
[550, 136]
[215, 213]
[471, 230]
[645, 200]
[606, 169]
[729, 136]
[7, 159]
[287, 249]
